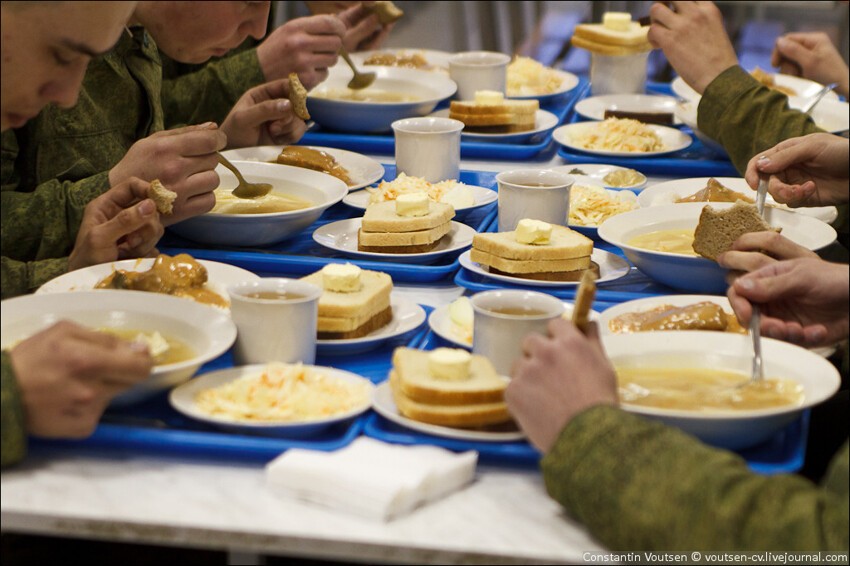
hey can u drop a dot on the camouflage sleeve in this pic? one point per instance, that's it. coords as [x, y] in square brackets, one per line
[209, 93]
[640, 485]
[22, 277]
[746, 117]
[14, 446]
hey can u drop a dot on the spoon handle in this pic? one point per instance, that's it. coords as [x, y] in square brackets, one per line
[223, 160]
[755, 332]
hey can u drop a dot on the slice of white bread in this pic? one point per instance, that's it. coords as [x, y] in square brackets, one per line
[563, 244]
[575, 275]
[513, 107]
[417, 238]
[162, 197]
[470, 416]
[634, 36]
[373, 296]
[717, 230]
[382, 217]
[529, 265]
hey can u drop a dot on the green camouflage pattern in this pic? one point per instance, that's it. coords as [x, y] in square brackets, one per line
[14, 441]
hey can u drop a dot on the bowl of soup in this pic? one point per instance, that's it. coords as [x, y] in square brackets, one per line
[396, 94]
[658, 240]
[298, 198]
[698, 381]
[181, 335]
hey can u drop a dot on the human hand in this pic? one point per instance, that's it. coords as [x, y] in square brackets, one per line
[803, 301]
[68, 374]
[263, 116]
[363, 28]
[121, 223]
[306, 46]
[558, 377]
[694, 40]
[754, 250]
[812, 170]
[184, 160]
[813, 56]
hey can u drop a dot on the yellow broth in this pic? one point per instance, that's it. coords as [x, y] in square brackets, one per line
[680, 241]
[367, 95]
[226, 203]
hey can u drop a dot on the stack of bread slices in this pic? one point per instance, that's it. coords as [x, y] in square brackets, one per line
[448, 387]
[616, 35]
[412, 223]
[535, 250]
[353, 303]
[491, 113]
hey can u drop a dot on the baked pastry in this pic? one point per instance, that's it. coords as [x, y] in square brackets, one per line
[162, 197]
[298, 97]
[448, 387]
[717, 230]
[354, 302]
[411, 224]
[704, 315]
[616, 35]
[491, 113]
[317, 160]
[535, 250]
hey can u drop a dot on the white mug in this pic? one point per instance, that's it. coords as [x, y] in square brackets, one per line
[479, 70]
[275, 319]
[504, 318]
[618, 74]
[538, 194]
[428, 148]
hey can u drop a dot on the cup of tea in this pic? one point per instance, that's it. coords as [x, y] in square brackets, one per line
[428, 148]
[504, 318]
[479, 70]
[275, 319]
[538, 194]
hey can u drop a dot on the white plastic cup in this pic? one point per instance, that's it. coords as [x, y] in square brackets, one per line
[538, 194]
[479, 70]
[498, 336]
[275, 329]
[618, 74]
[428, 148]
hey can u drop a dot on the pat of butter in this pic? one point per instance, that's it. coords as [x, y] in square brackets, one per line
[341, 278]
[412, 204]
[489, 98]
[617, 21]
[533, 232]
[449, 363]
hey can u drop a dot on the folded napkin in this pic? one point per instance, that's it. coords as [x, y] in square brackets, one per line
[372, 478]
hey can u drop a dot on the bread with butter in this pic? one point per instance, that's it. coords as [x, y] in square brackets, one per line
[563, 244]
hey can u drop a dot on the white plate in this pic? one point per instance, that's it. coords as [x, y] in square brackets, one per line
[545, 122]
[482, 195]
[342, 237]
[673, 140]
[803, 87]
[596, 173]
[668, 191]
[568, 82]
[439, 60]
[593, 231]
[830, 115]
[594, 107]
[363, 170]
[611, 267]
[384, 405]
[407, 316]
[219, 276]
[183, 400]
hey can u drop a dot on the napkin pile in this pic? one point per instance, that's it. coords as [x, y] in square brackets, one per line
[371, 478]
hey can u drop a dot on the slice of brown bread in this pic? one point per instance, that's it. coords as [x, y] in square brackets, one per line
[552, 275]
[418, 238]
[529, 265]
[382, 217]
[564, 244]
[373, 323]
[373, 296]
[718, 229]
[162, 197]
[420, 249]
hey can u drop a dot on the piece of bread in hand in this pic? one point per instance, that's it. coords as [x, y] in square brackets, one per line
[718, 229]
[298, 97]
[387, 12]
[162, 197]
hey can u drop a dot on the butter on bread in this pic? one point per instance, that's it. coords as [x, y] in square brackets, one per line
[382, 217]
[348, 309]
[718, 229]
[535, 232]
[162, 197]
[616, 35]
[298, 97]
[386, 11]
[563, 244]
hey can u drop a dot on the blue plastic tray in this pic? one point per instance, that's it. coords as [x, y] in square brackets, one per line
[301, 255]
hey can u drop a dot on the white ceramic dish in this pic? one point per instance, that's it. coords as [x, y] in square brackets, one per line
[341, 236]
[482, 195]
[363, 170]
[595, 174]
[407, 316]
[693, 273]
[722, 350]
[438, 60]
[568, 82]
[593, 231]
[673, 140]
[830, 115]
[219, 276]
[376, 117]
[208, 332]
[668, 191]
[545, 122]
[804, 88]
[611, 267]
[183, 401]
[268, 228]
[382, 402]
[594, 107]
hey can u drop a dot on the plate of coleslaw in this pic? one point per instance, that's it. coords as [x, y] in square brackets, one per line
[622, 138]
[591, 205]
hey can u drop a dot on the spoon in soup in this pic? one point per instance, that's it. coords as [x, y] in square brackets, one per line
[755, 321]
[360, 80]
[245, 189]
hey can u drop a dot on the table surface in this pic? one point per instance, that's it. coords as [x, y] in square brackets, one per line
[505, 516]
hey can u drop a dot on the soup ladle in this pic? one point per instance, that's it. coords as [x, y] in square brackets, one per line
[245, 189]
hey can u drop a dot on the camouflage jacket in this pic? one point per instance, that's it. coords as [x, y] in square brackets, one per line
[14, 444]
[640, 485]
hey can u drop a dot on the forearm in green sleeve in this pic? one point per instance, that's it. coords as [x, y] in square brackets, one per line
[22, 277]
[14, 426]
[640, 485]
[207, 95]
[746, 117]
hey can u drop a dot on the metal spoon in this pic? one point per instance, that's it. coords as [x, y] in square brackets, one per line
[245, 189]
[359, 80]
[818, 97]
[755, 322]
